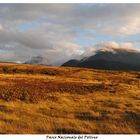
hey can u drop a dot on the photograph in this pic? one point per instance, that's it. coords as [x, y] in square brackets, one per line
[69, 68]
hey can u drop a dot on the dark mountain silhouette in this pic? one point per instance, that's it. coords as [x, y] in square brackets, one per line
[109, 60]
[72, 63]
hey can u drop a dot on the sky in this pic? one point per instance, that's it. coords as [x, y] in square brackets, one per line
[60, 32]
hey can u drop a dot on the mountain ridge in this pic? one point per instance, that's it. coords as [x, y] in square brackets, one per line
[109, 60]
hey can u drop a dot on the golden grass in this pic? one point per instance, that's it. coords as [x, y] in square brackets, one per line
[41, 99]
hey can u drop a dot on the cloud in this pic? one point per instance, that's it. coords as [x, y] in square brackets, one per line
[1, 27]
[53, 44]
[114, 19]
[50, 30]
[63, 52]
[111, 46]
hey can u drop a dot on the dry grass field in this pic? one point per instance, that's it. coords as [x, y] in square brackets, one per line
[60, 100]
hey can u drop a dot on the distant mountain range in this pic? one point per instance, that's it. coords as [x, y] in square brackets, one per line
[39, 60]
[114, 59]
[119, 59]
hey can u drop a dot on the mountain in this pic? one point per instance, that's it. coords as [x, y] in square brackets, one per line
[111, 60]
[37, 60]
[72, 63]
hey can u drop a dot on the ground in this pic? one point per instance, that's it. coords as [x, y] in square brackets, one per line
[61, 100]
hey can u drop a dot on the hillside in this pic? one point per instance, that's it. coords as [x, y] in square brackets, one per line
[113, 59]
[43, 99]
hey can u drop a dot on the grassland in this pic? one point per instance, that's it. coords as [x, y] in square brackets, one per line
[60, 100]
